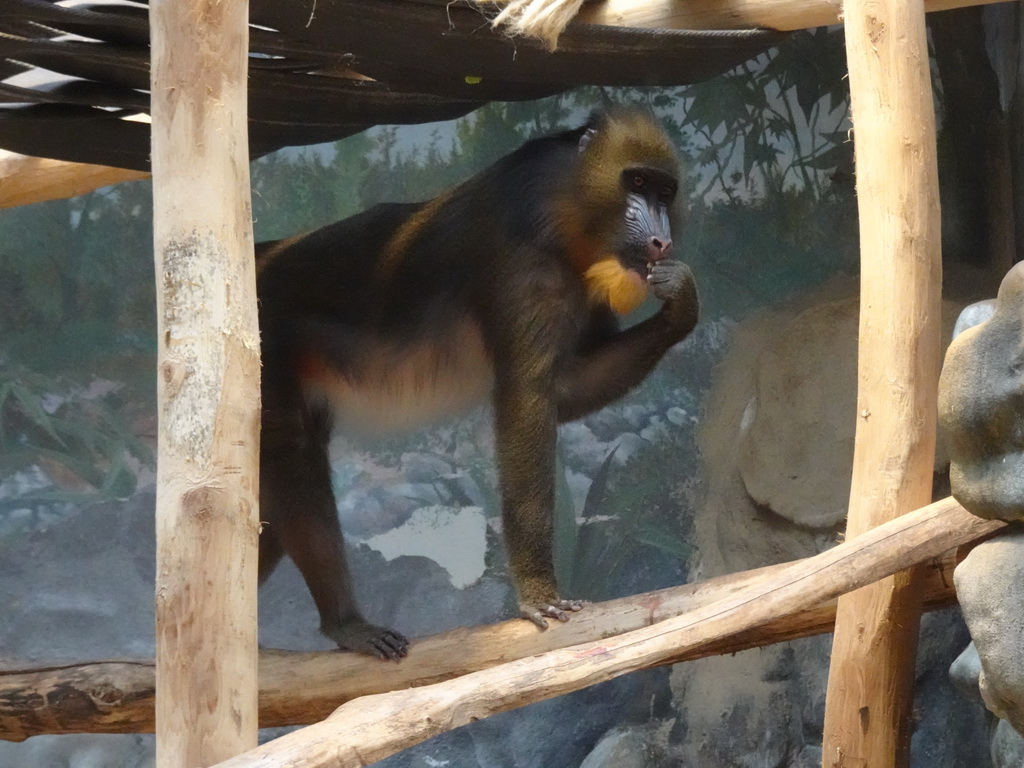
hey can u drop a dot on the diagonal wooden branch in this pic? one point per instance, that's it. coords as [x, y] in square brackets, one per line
[116, 696]
[374, 727]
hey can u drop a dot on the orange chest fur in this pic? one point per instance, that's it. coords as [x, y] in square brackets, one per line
[606, 280]
[610, 283]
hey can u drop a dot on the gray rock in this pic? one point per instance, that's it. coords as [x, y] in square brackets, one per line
[622, 748]
[796, 438]
[809, 757]
[965, 672]
[988, 584]
[83, 589]
[974, 314]
[80, 751]
[1007, 746]
[424, 468]
[796, 453]
[950, 731]
[680, 416]
[766, 707]
[361, 512]
[557, 733]
[980, 411]
[655, 431]
[628, 444]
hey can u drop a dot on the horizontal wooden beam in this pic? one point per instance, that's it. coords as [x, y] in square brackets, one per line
[783, 15]
[298, 688]
[25, 180]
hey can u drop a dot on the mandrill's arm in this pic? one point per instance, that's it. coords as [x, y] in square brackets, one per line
[613, 368]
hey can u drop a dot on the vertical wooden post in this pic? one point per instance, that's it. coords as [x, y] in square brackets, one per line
[206, 709]
[870, 692]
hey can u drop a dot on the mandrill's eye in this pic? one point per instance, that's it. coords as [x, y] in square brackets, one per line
[638, 182]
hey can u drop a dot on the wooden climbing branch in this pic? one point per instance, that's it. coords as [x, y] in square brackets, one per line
[296, 688]
[373, 727]
[868, 711]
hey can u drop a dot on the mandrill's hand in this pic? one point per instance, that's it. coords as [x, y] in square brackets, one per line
[673, 283]
[671, 280]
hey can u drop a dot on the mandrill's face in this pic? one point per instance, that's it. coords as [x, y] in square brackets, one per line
[648, 232]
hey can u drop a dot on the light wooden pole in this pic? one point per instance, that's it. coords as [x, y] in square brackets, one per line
[870, 692]
[208, 384]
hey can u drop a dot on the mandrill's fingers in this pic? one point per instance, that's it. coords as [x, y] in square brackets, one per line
[670, 279]
[673, 283]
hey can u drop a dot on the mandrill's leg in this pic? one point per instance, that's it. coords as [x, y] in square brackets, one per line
[298, 503]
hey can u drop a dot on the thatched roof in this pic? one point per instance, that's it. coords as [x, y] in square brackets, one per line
[320, 69]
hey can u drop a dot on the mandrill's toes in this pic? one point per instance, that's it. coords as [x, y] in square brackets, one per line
[539, 614]
[369, 639]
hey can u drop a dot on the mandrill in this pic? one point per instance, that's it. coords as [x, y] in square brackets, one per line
[504, 289]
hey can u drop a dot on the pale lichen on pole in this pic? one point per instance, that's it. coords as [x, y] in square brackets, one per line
[868, 717]
[208, 384]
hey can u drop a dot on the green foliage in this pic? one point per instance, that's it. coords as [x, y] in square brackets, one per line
[83, 445]
[295, 191]
[76, 282]
[777, 123]
[629, 512]
[76, 287]
[755, 254]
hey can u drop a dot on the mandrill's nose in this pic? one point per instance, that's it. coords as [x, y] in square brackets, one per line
[658, 248]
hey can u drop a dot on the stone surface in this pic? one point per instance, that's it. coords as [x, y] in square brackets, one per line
[1007, 746]
[989, 585]
[981, 409]
[974, 314]
[795, 455]
[965, 671]
[622, 748]
[80, 751]
[797, 433]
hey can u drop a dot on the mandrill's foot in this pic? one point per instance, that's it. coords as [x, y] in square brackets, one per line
[363, 637]
[556, 609]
